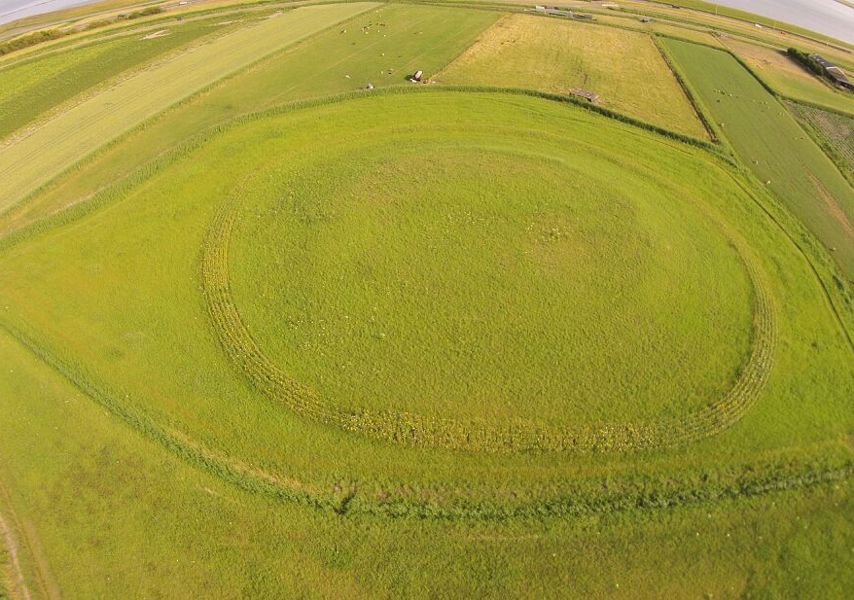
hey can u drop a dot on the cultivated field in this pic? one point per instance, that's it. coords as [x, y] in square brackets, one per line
[292, 336]
[557, 55]
[410, 38]
[30, 88]
[62, 140]
[834, 131]
[772, 144]
[789, 78]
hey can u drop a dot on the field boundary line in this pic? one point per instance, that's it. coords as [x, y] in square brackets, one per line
[688, 90]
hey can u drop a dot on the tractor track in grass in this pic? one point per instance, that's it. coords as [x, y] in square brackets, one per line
[412, 429]
[408, 500]
[17, 584]
[10, 528]
[566, 498]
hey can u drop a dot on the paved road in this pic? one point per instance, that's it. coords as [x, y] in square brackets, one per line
[10, 10]
[829, 17]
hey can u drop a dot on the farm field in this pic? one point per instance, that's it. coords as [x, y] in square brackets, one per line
[834, 131]
[789, 78]
[557, 55]
[411, 38]
[29, 89]
[144, 95]
[772, 144]
[296, 326]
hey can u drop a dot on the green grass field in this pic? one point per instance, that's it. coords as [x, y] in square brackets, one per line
[291, 337]
[774, 147]
[411, 38]
[557, 55]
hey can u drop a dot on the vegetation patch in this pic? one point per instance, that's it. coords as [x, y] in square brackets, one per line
[410, 38]
[29, 89]
[788, 77]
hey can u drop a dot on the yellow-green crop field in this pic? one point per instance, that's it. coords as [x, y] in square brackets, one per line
[556, 55]
[269, 331]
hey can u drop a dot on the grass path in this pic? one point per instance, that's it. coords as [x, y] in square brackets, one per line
[62, 141]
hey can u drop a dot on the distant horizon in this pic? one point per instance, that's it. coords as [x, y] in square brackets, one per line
[12, 10]
[827, 17]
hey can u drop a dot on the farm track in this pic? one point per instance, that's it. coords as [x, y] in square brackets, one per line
[412, 501]
[472, 436]
[17, 583]
[13, 536]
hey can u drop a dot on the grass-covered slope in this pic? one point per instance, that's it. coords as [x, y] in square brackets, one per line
[107, 511]
[117, 300]
[415, 342]
[773, 145]
[438, 270]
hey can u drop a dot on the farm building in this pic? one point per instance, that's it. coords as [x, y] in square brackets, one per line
[586, 94]
[833, 71]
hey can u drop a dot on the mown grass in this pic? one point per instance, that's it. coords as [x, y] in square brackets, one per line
[411, 38]
[156, 352]
[557, 55]
[89, 125]
[31, 88]
[773, 146]
[789, 78]
[147, 463]
[111, 510]
[464, 288]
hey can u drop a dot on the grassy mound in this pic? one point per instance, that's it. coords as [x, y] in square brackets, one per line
[142, 343]
[476, 277]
